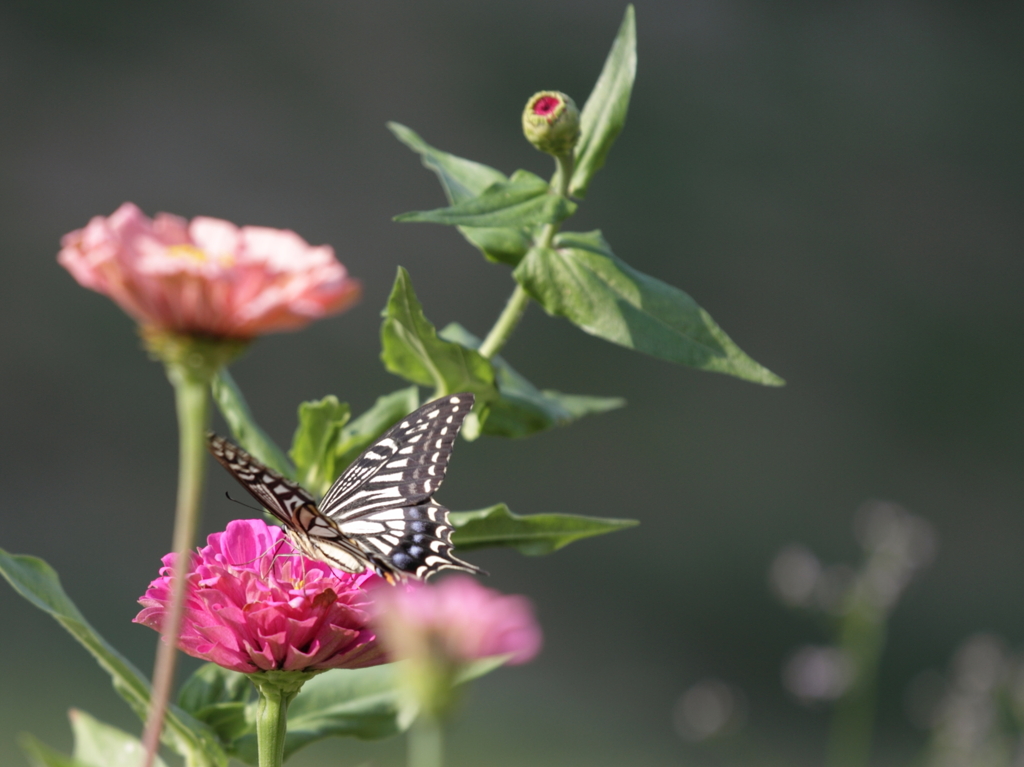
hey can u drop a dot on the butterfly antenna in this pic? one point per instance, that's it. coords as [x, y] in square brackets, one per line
[233, 500]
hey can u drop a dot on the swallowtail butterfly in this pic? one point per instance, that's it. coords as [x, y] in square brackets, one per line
[380, 512]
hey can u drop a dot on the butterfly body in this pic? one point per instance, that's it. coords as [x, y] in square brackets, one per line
[380, 513]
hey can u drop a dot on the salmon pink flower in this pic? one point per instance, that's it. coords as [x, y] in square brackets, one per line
[255, 604]
[439, 630]
[207, 277]
[459, 617]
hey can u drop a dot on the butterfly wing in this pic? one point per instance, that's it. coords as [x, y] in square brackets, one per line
[313, 533]
[279, 495]
[383, 501]
[404, 467]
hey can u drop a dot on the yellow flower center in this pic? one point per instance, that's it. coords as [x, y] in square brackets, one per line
[187, 251]
[198, 254]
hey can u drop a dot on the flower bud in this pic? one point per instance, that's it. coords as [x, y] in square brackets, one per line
[551, 122]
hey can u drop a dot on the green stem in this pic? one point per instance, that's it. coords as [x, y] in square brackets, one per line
[506, 323]
[193, 406]
[426, 742]
[277, 689]
[520, 299]
[862, 637]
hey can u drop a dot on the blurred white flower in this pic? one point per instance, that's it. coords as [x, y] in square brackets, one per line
[708, 708]
[815, 673]
[794, 574]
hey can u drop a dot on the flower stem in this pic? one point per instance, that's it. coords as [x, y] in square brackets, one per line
[520, 299]
[277, 689]
[862, 638]
[506, 323]
[425, 741]
[193, 406]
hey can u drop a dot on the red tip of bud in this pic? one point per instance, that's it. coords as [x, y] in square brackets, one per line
[545, 105]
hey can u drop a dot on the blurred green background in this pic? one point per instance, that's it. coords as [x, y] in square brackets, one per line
[839, 184]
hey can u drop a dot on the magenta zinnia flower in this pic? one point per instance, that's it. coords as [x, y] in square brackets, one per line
[458, 618]
[207, 276]
[253, 603]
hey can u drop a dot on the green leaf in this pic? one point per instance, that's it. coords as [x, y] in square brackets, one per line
[523, 409]
[411, 349]
[101, 745]
[219, 698]
[480, 667]
[37, 582]
[41, 755]
[583, 281]
[523, 200]
[246, 431]
[359, 434]
[533, 535]
[604, 114]
[463, 180]
[360, 703]
[315, 442]
[501, 245]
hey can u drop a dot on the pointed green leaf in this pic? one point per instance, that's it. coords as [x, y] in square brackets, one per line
[41, 755]
[244, 429]
[101, 745]
[315, 442]
[360, 703]
[463, 180]
[523, 200]
[481, 667]
[604, 114]
[411, 349]
[523, 409]
[582, 280]
[37, 582]
[533, 535]
[360, 433]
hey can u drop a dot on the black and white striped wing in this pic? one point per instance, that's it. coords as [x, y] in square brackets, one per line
[383, 501]
[404, 467]
[279, 495]
[313, 533]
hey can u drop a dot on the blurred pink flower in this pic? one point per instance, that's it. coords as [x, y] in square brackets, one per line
[458, 617]
[254, 604]
[207, 276]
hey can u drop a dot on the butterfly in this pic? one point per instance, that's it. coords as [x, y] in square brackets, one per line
[380, 513]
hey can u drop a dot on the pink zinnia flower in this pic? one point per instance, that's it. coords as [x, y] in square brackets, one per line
[207, 276]
[459, 618]
[255, 604]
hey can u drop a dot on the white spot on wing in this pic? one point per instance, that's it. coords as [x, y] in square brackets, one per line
[362, 527]
[388, 516]
[394, 477]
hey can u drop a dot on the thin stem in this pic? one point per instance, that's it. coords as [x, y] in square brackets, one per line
[506, 323]
[862, 637]
[193, 409]
[271, 718]
[277, 689]
[426, 742]
[520, 299]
